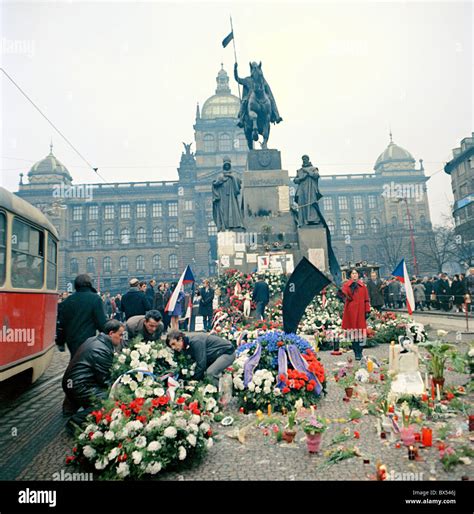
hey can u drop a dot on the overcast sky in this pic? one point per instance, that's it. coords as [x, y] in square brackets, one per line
[121, 80]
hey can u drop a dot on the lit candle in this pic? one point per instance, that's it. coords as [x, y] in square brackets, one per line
[370, 366]
[269, 409]
[427, 436]
[411, 453]
[259, 415]
[391, 409]
[438, 392]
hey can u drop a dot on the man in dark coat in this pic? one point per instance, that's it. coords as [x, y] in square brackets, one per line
[261, 296]
[150, 291]
[428, 290]
[80, 316]
[134, 301]
[394, 293]
[444, 292]
[375, 288]
[206, 294]
[148, 327]
[87, 377]
[212, 354]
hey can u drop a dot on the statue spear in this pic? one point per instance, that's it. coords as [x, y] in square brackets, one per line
[235, 53]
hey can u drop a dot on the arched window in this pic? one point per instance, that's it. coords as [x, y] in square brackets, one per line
[76, 238]
[173, 235]
[141, 235]
[209, 143]
[394, 221]
[140, 261]
[125, 236]
[375, 225]
[173, 261]
[331, 227]
[90, 265]
[156, 261]
[123, 263]
[345, 227]
[107, 264]
[349, 253]
[92, 238]
[364, 252]
[74, 266]
[225, 143]
[360, 226]
[211, 229]
[109, 237]
[157, 235]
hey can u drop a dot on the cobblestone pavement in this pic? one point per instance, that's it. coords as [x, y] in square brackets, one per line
[40, 446]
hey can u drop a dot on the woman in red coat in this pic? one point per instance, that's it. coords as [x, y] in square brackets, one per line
[356, 311]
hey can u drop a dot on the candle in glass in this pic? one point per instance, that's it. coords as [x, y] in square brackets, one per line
[438, 392]
[269, 409]
[411, 453]
[427, 436]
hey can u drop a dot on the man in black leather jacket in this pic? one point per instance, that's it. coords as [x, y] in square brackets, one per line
[87, 377]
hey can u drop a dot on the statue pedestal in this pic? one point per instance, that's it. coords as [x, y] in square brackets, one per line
[313, 245]
[265, 159]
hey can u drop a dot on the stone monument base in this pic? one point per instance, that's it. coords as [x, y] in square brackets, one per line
[313, 245]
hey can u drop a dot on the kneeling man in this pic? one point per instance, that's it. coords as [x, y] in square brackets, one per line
[149, 327]
[212, 354]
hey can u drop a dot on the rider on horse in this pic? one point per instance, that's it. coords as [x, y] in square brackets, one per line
[248, 87]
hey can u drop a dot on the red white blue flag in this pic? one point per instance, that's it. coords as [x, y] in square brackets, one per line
[401, 273]
[187, 277]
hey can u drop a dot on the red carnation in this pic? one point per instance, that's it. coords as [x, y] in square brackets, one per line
[285, 390]
[280, 343]
[180, 400]
[69, 459]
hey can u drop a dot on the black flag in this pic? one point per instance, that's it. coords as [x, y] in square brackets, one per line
[228, 39]
[304, 284]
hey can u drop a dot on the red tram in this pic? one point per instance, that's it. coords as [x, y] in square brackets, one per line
[28, 288]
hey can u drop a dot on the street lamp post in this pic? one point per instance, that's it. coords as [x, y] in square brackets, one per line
[412, 237]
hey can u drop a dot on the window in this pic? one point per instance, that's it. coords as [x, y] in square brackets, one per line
[156, 261]
[109, 237]
[125, 211]
[225, 143]
[360, 226]
[345, 227]
[125, 236]
[123, 263]
[3, 247]
[173, 209]
[327, 203]
[188, 205]
[342, 202]
[157, 210]
[51, 279]
[94, 212]
[364, 252]
[209, 143]
[107, 264]
[27, 258]
[189, 232]
[77, 213]
[109, 213]
[372, 201]
[394, 221]
[173, 235]
[140, 263]
[74, 266]
[211, 229]
[141, 235]
[92, 238]
[375, 225]
[90, 265]
[331, 227]
[141, 210]
[173, 261]
[76, 238]
[358, 202]
[349, 253]
[157, 235]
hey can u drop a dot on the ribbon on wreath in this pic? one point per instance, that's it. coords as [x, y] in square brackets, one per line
[251, 364]
[298, 363]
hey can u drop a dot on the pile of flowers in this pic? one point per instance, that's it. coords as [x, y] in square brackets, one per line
[142, 437]
[267, 385]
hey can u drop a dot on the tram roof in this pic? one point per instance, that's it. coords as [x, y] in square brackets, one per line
[17, 205]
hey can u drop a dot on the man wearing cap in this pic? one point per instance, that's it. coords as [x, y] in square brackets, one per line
[261, 296]
[134, 301]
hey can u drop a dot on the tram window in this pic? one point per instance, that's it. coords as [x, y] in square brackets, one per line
[52, 263]
[3, 252]
[27, 259]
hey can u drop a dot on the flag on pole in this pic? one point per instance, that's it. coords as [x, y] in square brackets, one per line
[401, 273]
[187, 277]
[228, 39]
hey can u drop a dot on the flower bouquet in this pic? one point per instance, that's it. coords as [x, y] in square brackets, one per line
[313, 428]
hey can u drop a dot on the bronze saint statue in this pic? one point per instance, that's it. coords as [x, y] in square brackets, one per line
[227, 204]
[258, 107]
[307, 194]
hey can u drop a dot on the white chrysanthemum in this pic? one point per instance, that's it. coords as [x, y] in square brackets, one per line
[193, 428]
[133, 385]
[182, 453]
[276, 391]
[122, 358]
[134, 363]
[251, 386]
[205, 427]
[140, 441]
[114, 424]
[153, 423]
[191, 439]
[239, 384]
[82, 436]
[210, 403]
[170, 432]
[140, 392]
[362, 375]
[267, 390]
[91, 428]
[134, 355]
[122, 434]
[154, 446]
[139, 376]
[210, 389]
[180, 423]
[123, 470]
[134, 425]
[195, 418]
[166, 418]
[97, 435]
[137, 457]
[153, 468]
[89, 452]
[258, 389]
[101, 463]
[471, 352]
[159, 391]
[184, 371]
[109, 435]
[117, 414]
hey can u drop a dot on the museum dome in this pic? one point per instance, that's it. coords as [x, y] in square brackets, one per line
[394, 157]
[223, 104]
[49, 169]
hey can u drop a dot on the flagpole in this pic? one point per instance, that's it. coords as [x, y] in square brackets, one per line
[235, 52]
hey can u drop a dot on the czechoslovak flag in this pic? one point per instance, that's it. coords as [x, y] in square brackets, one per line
[401, 273]
[186, 278]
